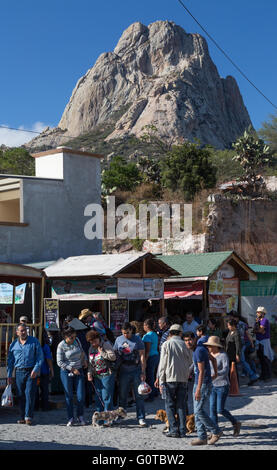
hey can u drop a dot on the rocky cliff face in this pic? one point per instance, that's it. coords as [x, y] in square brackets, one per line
[247, 226]
[157, 75]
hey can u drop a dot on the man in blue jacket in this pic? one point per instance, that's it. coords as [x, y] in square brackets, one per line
[26, 357]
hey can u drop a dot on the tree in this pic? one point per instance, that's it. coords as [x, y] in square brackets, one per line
[121, 175]
[269, 132]
[252, 154]
[17, 161]
[187, 167]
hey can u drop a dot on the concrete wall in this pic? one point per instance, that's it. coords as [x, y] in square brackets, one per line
[54, 212]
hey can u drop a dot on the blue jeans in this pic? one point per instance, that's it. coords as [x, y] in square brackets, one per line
[202, 420]
[104, 388]
[26, 392]
[218, 399]
[246, 366]
[175, 404]
[151, 366]
[126, 380]
[69, 382]
[44, 389]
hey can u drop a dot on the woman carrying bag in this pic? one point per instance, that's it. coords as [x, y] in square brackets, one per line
[71, 359]
[102, 360]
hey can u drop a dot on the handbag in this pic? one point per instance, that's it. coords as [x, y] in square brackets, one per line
[7, 397]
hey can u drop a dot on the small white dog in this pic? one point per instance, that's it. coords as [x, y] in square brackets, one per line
[108, 416]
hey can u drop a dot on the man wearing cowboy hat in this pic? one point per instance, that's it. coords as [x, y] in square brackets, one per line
[264, 352]
[221, 384]
[86, 316]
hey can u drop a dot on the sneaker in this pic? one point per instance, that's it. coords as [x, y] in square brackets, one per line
[214, 438]
[172, 434]
[21, 421]
[28, 421]
[236, 427]
[142, 423]
[81, 421]
[70, 422]
[199, 442]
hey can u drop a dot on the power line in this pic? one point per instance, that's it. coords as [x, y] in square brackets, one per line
[226, 55]
[33, 132]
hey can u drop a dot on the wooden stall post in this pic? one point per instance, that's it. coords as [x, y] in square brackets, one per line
[41, 308]
[13, 314]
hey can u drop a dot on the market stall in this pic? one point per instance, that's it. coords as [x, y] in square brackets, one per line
[16, 283]
[208, 284]
[116, 285]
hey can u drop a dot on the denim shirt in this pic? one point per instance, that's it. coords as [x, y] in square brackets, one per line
[28, 355]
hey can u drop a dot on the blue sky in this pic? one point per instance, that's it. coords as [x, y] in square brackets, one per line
[47, 46]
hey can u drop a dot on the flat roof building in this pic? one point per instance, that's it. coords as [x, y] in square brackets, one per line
[42, 216]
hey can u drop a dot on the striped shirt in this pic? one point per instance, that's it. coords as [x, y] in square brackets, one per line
[69, 355]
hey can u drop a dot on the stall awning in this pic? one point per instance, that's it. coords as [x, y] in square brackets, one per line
[183, 290]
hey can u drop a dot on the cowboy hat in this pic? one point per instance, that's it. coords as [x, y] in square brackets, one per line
[261, 309]
[84, 313]
[213, 341]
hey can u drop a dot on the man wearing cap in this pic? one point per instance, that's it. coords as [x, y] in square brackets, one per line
[174, 374]
[202, 390]
[264, 352]
[26, 357]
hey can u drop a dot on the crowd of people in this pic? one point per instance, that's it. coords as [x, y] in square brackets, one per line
[165, 354]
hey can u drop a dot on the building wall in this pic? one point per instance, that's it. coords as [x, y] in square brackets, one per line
[54, 212]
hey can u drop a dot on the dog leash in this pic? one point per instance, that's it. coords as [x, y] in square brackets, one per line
[98, 395]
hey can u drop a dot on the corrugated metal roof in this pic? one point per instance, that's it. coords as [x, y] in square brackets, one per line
[263, 268]
[91, 265]
[100, 265]
[196, 264]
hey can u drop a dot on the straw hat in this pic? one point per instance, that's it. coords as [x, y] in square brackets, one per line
[84, 313]
[261, 309]
[213, 341]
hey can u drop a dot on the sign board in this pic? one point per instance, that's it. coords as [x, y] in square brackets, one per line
[223, 295]
[102, 289]
[119, 313]
[136, 289]
[51, 313]
[226, 271]
[6, 293]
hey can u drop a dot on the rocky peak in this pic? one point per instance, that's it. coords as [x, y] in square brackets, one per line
[157, 75]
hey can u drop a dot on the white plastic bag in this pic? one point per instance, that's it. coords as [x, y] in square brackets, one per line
[144, 389]
[7, 397]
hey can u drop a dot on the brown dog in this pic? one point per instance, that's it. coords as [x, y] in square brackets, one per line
[162, 416]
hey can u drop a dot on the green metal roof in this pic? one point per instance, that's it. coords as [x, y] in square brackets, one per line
[262, 268]
[196, 264]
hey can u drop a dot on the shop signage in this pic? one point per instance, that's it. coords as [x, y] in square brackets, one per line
[6, 293]
[94, 289]
[119, 313]
[140, 288]
[51, 313]
[223, 295]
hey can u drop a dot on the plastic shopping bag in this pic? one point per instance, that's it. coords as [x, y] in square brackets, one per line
[7, 397]
[144, 389]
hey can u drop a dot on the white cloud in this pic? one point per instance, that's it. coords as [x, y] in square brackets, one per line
[13, 138]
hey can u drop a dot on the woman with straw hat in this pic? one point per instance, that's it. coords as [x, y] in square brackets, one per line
[221, 384]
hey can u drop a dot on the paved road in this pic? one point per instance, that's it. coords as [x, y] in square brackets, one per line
[256, 408]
